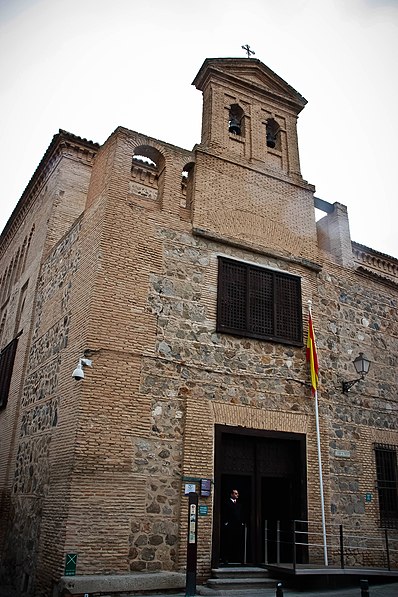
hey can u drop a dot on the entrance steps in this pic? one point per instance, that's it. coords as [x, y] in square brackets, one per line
[239, 579]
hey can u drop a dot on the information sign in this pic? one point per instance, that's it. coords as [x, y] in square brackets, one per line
[205, 487]
[189, 488]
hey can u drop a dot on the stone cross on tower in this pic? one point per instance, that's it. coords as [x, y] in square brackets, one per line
[248, 50]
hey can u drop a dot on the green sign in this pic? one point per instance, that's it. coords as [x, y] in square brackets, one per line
[368, 497]
[70, 564]
[203, 510]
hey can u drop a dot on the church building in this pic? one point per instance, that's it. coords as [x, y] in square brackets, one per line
[154, 308]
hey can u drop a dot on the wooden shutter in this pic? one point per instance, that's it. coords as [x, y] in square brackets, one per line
[288, 314]
[261, 302]
[232, 303]
[258, 302]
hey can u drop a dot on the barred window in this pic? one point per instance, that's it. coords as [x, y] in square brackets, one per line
[7, 357]
[387, 484]
[258, 302]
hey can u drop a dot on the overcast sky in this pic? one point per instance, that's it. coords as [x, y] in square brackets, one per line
[88, 66]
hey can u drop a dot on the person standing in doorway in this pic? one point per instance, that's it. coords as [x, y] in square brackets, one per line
[232, 537]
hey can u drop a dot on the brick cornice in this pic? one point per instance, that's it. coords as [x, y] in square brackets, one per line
[238, 70]
[382, 267]
[63, 144]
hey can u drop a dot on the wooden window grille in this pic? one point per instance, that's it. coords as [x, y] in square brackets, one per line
[7, 357]
[387, 484]
[259, 303]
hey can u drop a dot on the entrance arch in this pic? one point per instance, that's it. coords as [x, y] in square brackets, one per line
[269, 470]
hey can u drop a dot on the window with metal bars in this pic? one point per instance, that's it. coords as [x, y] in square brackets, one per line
[7, 357]
[387, 484]
[259, 303]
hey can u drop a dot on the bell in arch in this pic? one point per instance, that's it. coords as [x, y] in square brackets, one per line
[234, 125]
[272, 132]
[271, 140]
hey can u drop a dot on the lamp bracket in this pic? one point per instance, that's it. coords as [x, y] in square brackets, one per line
[86, 362]
[347, 385]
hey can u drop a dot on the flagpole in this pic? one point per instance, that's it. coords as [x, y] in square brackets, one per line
[318, 441]
[313, 359]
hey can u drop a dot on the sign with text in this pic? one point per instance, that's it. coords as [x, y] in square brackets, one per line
[343, 453]
[205, 487]
[190, 589]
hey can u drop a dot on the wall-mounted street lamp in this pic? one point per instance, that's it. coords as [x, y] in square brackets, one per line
[362, 365]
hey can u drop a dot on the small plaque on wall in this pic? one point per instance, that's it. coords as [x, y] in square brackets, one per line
[189, 488]
[342, 453]
[205, 487]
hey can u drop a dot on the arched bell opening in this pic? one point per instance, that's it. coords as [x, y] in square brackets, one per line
[150, 157]
[236, 120]
[187, 177]
[273, 136]
[147, 171]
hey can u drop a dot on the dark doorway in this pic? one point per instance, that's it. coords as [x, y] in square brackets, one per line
[268, 469]
[277, 514]
[240, 552]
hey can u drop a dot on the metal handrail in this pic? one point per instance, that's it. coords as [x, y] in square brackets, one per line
[340, 544]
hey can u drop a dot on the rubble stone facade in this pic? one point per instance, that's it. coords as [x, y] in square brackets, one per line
[113, 254]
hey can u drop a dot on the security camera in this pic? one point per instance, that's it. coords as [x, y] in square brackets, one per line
[78, 373]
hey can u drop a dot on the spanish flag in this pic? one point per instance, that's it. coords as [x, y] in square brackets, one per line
[312, 357]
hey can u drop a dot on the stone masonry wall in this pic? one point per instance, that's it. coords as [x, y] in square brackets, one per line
[32, 408]
[197, 368]
[356, 314]
[40, 404]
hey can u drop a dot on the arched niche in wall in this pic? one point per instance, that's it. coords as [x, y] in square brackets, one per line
[187, 177]
[147, 173]
[15, 269]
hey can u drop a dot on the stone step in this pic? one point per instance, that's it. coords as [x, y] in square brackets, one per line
[240, 572]
[120, 584]
[240, 584]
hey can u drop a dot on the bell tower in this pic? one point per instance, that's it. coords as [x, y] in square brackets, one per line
[248, 182]
[249, 111]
